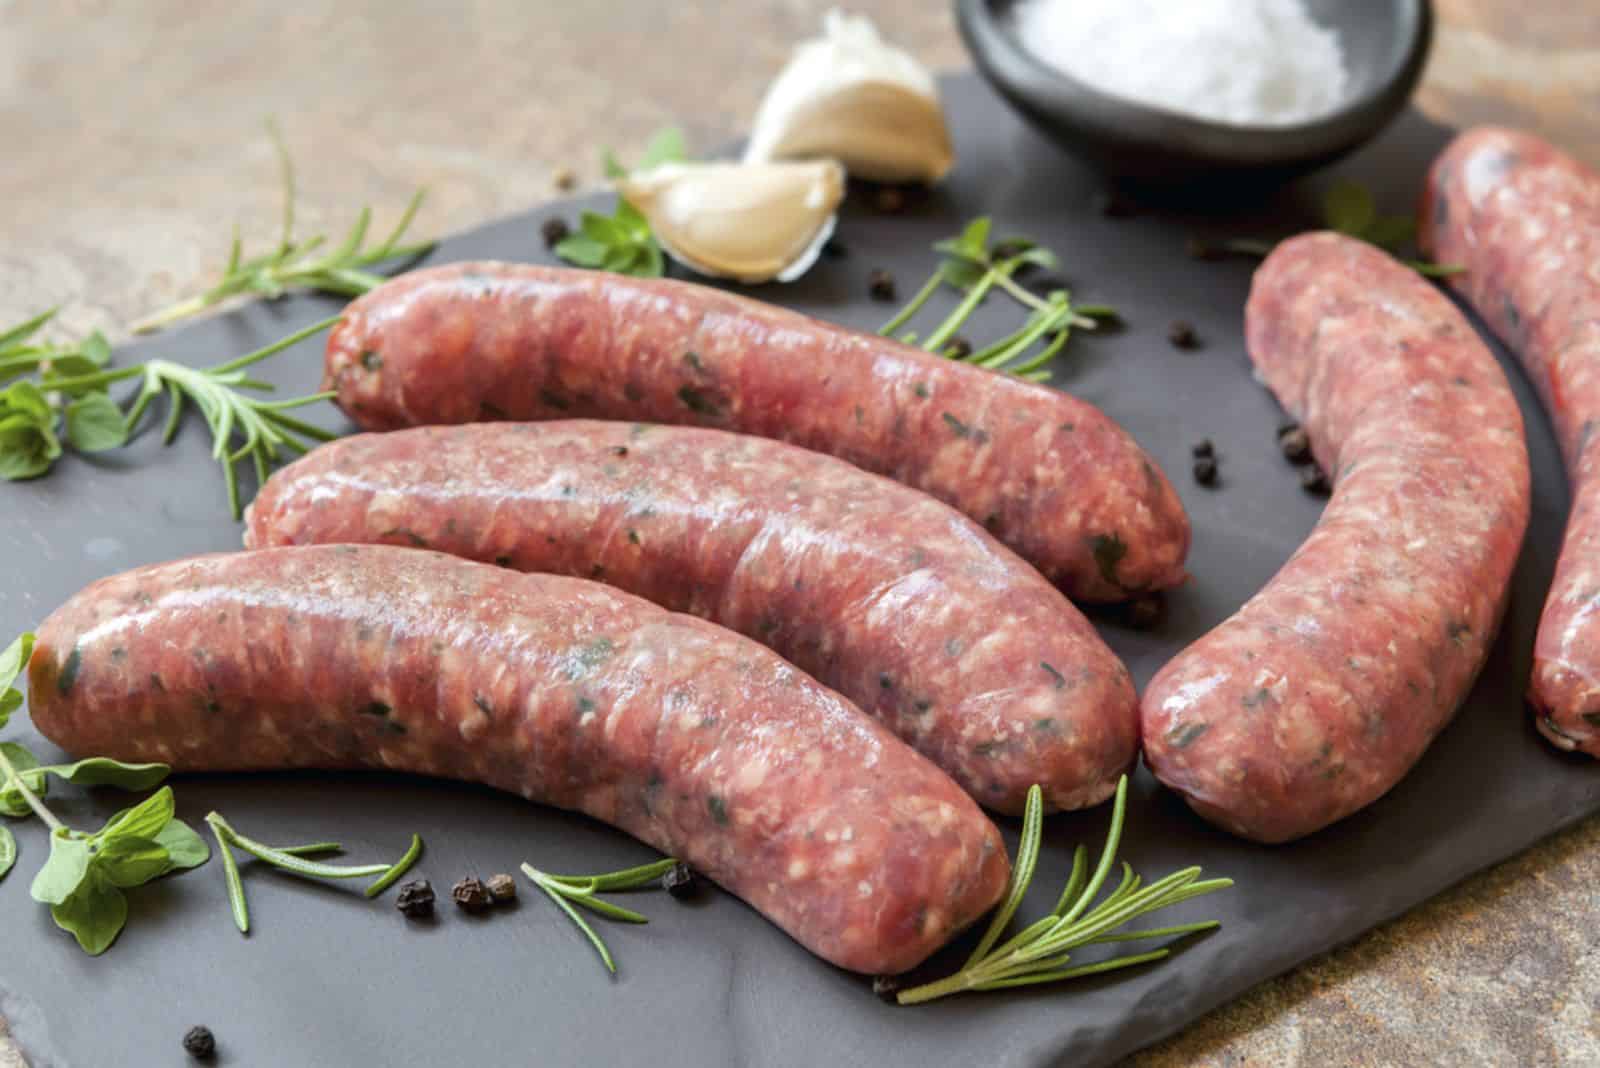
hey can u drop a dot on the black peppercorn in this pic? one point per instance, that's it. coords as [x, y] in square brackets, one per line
[471, 895]
[200, 1043]
[415, 899]
[1182, 335]
[881, 285]
[1295, 444]
[1205, 471]
[1203, 448]
[680, 881]
[1147, 612]
[502, 888]
[564, 179]
[886, 987]
[555, 231]
[889, 199]
[958, 348]
[1314, 481]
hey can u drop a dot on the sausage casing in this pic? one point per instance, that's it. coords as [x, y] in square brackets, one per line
[689, 737]
[1524, 220]
[1322, 691]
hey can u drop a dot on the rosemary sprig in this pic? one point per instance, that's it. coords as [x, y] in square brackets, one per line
[341, 270]
[292, 860]
[567, 890]
[1041, 952]
[970, 265]
[264, 426]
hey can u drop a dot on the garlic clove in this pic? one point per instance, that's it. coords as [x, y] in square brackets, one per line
[756, 222]
[851, 96]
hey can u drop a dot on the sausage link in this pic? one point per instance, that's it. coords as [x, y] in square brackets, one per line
[1049, 475]
[1322, 691]
[900, 603]
[693, 739]
[1524, 220]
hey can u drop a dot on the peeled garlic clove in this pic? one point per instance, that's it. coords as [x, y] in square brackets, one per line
[752, 222]
[853, 97]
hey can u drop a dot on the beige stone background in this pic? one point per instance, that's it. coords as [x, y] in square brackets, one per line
[130, 143]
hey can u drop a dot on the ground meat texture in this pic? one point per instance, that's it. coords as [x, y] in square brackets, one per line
[697, 741]
[899, 602]
[1323, 690]
[1524, 220]
[1049, 475]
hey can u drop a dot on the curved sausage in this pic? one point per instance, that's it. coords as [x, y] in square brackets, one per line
[900, 603]
[1323, 690]
[1047, 474]
[689, 737]
[1524, 220]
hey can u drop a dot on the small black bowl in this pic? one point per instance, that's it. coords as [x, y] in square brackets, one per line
[1385, 46]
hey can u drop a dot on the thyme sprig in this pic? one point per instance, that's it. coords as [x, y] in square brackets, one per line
[569, 890]
[292, 860]
[1042, 951]
[342, 270]
[970, 265]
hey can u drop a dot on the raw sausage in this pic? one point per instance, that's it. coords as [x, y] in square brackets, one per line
[1047, 474]
[897, 601]
[1323, 690]
[689, 737]
[1524, 220]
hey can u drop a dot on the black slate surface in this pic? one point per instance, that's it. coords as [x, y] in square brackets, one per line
[327, 978]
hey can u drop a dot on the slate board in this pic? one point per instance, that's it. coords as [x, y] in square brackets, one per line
[330, 979]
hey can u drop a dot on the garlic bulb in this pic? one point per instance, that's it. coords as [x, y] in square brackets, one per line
[752, 222]
[853, 97]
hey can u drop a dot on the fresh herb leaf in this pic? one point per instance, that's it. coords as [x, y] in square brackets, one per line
[581, 890]
[13, 338]
[144, 820]
[95, 424]
[1040, 952]
[972, 266]
[666, 146]
[103, 771]
[1349, 208]
[12, 801]
[185, 849]
[129, 860]
[302, 264]
[621, 242]
[65, 870]
[8, 851]
[291, 860]
[94, 914]
[12, 661]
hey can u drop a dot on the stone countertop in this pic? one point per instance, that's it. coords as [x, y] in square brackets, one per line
[133, 141]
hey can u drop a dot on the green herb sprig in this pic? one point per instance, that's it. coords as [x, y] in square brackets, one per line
[1349, 208]
[567, 890]
[86, 873]
[33, 420]
[292, 860]
[623, 242]
[265, 427]
[1042, 951]
[973, 267]
[342, 270]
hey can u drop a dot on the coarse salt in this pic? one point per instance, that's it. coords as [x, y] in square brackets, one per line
[1247, 62]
